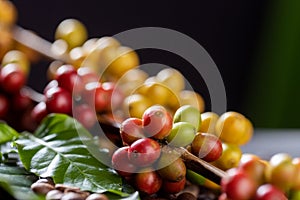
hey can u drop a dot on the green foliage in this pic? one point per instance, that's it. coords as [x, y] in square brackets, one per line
[7, 133]
[59, 149]
[17, 181]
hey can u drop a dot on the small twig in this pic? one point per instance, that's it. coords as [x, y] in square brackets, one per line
[36, 43]
[200, 166]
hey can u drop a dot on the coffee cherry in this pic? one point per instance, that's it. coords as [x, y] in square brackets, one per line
[182, 134]
[102, 96]
[188, 113]
[124, 59]
[269, 192]
[12, 78]
[39, 112]
[223, 196]
[282, 171]
[67, 78]
[18, 57]
[230, 157]
[131, 130]
[157, 122]
[148, 181]
[58, 100]
[172, 78]
[192, 98]
[238, 185]
[6, 39]
[131, 80]
[158, 93]
[173, 187]
[254, 167]
[102, 99]
[107, 41]
[88, 93]
[174, 171]
[296, 162]
[233, 127]
[135, 105]
[72, 31]
[279, 158]
[207, 146]
[209, 120]
[8, 15]
[87, 75]
[113, 95]
[4, 106]
[77, 56]
[85, 115]
[144, 152]
[64, 69]
[21, 101]
[51, 84]
[121, 163]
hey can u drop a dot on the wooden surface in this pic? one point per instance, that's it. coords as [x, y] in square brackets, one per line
[267, 142]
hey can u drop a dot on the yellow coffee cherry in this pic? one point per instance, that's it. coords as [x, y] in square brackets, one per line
[282, 171]
[171, 78]
[188, 97]
[233, 127]
[230, 158]
[16, 56]
[6, 40]
[158, 93]
[209, 120]
[107, 41]
[8, 14]
[135, 105]
[52, 68]
[77, 56]
[72, 31]
[124, 59]
[89, 45]
[131, 81]
[100, 58]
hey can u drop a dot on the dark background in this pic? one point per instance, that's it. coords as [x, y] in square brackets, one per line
[230, 31]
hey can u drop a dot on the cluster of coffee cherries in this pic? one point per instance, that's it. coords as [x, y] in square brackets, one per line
[258, 179]
[105, 55]
[14, 96]
[149, 159]
[248, 176]
[166, 88]
[77, 93]
[234, 130]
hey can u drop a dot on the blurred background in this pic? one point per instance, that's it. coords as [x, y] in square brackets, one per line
[254, 43]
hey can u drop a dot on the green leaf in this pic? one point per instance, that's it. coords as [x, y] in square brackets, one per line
[59, 149]
[133, 196]
[17, 181]
[7, 133]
